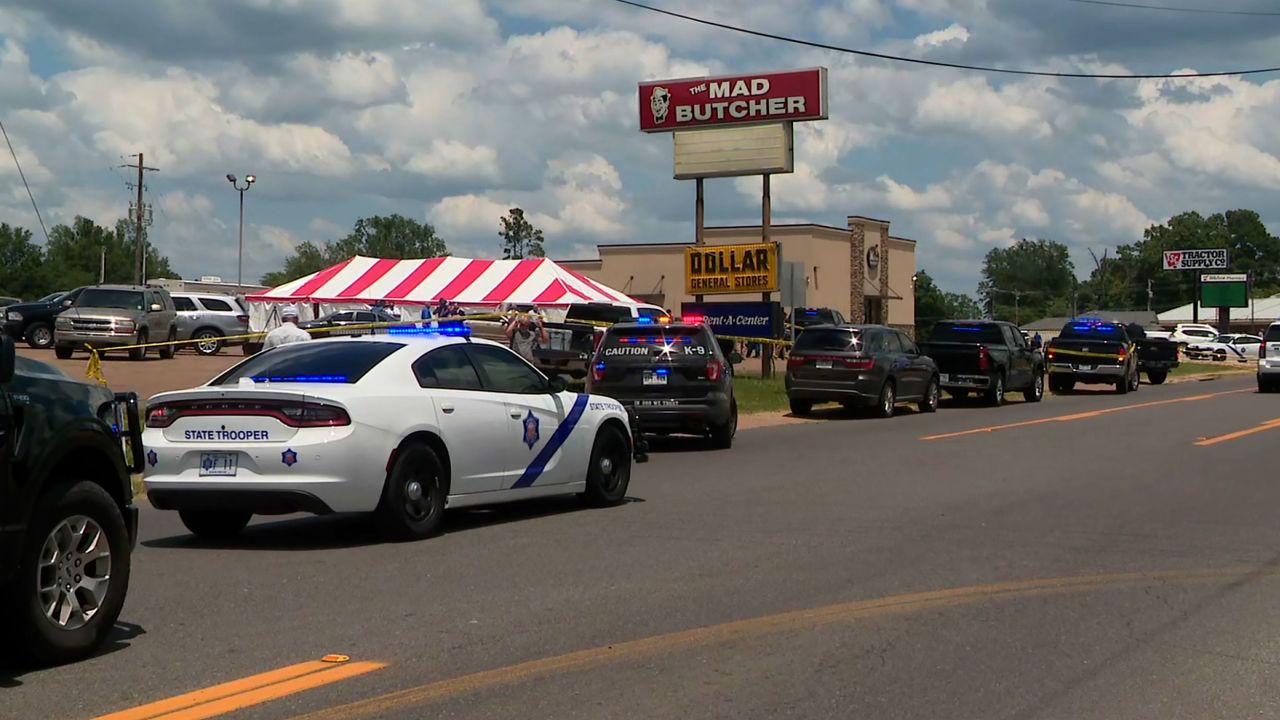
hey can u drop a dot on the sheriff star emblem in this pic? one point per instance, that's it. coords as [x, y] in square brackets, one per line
[289, 458]
[531, 434]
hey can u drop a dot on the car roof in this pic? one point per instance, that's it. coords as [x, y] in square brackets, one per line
[650, 325]
[418, 339]
[847, 326]
[138, 288]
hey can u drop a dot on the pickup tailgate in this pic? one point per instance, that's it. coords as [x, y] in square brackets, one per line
[1157, 353]
[1086, 354]
[956, 358]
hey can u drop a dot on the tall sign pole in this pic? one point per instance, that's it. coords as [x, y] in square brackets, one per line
[699, 223]
[766, 219]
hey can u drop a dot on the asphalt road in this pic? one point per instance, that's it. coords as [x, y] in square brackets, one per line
[1086, 560]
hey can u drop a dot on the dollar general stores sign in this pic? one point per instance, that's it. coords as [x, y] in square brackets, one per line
[710, 269]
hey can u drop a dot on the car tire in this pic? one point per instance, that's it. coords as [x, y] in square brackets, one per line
[801, 407]
[215, 524]
[609, 470]
[1122, 387]
[207, 341]
[39, 335]
[139, 353]
[887, 401]
[1035, 393]
[168, 351]
[1157, 377]
[413, 498]
[995, 394]
[62, 352]
[722, 435]
[929, 403]
[1136, 382]
[63, 520]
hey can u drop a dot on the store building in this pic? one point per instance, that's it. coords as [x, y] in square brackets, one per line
[860, 270]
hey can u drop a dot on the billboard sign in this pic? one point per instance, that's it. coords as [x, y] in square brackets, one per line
[667, 105]
[742, 319]
[1215, 259]
[711, 269]
[1224, 290]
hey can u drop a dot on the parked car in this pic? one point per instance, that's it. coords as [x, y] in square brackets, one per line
[344, 318]
[207, 318]
[673, 377]
[112, 316]
[7, 301]
[69, 525]
[988, 357]
[1091, 352]
[34, 321]
[1228, 346]
[1157, 354]
[1269, 359]
[1186, 333]
[859, 366]
[806, 317]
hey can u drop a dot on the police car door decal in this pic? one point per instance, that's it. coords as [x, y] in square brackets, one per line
[557, 439]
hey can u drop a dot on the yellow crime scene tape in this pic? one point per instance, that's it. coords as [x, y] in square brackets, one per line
[93, 369]
[1082, 353]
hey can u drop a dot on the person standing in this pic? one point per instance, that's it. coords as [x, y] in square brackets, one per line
[288, 332]
[525, 334]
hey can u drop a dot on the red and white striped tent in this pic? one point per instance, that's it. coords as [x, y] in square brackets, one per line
[468, 282]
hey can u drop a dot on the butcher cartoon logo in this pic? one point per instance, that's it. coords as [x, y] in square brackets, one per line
[1173, 260]
[660, 104]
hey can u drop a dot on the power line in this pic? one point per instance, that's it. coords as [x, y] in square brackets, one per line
[24, 181]
[1170, 8]
[935, 63]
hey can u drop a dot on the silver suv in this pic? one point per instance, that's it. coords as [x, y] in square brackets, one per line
[111, 316]
[207, 318]
[1269, 359]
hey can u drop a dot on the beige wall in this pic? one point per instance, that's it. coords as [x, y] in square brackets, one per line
[826, 252]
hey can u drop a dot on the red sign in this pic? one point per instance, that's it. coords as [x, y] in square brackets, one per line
[667, 105]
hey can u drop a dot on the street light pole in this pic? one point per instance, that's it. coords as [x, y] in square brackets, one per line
[249, 180]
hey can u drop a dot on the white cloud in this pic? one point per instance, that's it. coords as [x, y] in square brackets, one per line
[953, 34]
[973, 105]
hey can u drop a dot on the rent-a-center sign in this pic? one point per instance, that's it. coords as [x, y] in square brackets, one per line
[667, 105]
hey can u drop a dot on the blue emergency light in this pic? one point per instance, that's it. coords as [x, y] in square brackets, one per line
[448, 331]
[644, 320]
[300, 378]
[966, 328]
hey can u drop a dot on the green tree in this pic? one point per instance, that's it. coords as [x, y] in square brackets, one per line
[23, 272]
[390, 236]
[933, 304]
[519, 237]
[1030, 279]
[76, 250]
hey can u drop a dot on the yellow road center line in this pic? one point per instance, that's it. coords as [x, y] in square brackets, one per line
[1268, 425]
[273, 692]
[1080, 416]
[170, 708]
[739, 629]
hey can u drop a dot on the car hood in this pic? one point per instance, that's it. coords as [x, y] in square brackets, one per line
[92, 312]
[36, 379]
[29, 307]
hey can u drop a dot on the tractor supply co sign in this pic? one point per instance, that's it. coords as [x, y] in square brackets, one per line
[667, 105]
[1196, 259]
[710, 269]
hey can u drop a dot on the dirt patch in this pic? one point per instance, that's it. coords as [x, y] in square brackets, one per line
[145, 377]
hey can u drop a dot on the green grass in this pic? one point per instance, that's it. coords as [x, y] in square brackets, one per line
[755, 395]
[1193, 368]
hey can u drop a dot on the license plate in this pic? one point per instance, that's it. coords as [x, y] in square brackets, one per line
[1084, 367]
[657, 403]
[823, 364]
[653, 378]
[217, 464]
[944, 377]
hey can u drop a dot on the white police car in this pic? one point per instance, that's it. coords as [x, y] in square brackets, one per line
[402, 425]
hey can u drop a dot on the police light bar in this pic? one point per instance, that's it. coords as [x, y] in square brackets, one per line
[450, 331]
[300, 378]
[643, 320]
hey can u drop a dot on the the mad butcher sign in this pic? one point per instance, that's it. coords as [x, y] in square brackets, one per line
[667, 105]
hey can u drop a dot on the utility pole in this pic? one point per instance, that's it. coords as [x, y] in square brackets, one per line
[139, 252]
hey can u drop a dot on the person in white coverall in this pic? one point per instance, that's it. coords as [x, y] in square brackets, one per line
[288, 332]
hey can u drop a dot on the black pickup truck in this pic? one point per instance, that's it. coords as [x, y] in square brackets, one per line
[1093, 352]
[68, 524]
[1156, 356]
[33, 321]
[989, 357]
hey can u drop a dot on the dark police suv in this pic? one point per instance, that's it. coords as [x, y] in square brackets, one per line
[67, 520]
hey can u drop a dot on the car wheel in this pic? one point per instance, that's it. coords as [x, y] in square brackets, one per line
[1035, 393]
[40, 336]
[801, 407]
[215, 524]
[139, 353]
[722, 435]
[929, 403]
[1135, 382]
[1122, 387]
[995, 395]
[73, 575]
[609, 471]
[207, 342]
[413, 499]
[168, 351]
[1157, 377]
[888, 400]
[62, 352]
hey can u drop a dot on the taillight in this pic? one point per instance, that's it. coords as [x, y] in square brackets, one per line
[597, 372]
[1124, 353]
[242, 319]
[795, 361]
[293, 414]
[714, 368]
[596, 336]
[1262, 350]
[859, 363]
[984, 358]
[1051, 354]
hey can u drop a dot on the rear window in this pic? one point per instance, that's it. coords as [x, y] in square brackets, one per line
[117, 299]
[311, 362]
[1104, 331]
[967, 332]
[828, 339]
[659, 343]
[598, 313]
[215, 305]
[1273, 334]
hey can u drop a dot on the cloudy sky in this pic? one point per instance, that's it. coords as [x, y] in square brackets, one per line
[451, 111]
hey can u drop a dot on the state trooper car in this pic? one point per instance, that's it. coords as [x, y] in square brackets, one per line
[402, 425]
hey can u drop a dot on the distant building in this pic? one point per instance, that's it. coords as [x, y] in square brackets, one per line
[207, 284]
[1260, 313]
[1050, 327]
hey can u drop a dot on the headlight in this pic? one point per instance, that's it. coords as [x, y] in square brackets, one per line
[125, 325]
[14, 316]
[62, 323]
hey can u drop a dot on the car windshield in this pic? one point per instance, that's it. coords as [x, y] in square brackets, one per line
[598, 313]
[334, 362]
[1092, 331]
[828, 339]
[659, 343]
[1224, 338]
[966, 332]
[117, 299]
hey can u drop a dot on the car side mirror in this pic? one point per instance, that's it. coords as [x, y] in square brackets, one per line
[558, 384]
[8, 359]
[156, 307]
[67, 303]
[735, 357]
